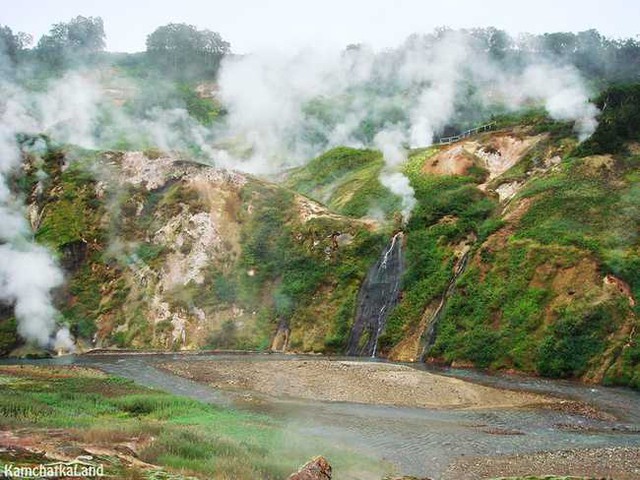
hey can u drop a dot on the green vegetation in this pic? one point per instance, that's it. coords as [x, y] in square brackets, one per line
[184, 51]
[71, 43]
[203, 109]
[520, 306]
[504, 312]
[294, 261]
[179, 435]
[537, 119]
[449, 209]
[8, 333]
[77, 212]
[346, 180]
[619, 121]
[588, 204]
[501, 320]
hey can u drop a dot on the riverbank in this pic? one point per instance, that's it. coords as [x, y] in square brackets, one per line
[64, 413]
[619, 463]
[59, 412]
[352, 381]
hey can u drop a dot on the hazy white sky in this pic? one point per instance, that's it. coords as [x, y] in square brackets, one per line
[288, 24]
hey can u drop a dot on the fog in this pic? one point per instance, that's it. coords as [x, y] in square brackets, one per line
[283, 109]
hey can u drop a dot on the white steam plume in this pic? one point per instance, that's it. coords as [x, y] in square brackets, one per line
[63, 341]
[562, 91]
[438, 69]
[287, 109]
[390, 143]
[28, 272]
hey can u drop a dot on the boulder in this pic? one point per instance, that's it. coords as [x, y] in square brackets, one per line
[317, 469]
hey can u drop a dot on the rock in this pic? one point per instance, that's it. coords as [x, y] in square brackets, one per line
[317, 469]
[406, 478]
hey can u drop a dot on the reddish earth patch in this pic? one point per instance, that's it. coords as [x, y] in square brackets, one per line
[454, 160]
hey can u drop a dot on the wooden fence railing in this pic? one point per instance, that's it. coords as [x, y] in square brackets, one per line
[465, 134]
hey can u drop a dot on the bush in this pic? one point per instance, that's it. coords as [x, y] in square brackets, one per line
[570, 342]
[619, 121]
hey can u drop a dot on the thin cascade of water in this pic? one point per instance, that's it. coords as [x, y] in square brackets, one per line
[378, 294]
[430, 334]
[385, 257]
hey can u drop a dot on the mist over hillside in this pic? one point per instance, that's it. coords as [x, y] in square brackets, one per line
[126, 140]
[420, 261]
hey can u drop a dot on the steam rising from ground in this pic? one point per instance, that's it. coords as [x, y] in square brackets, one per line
[28, 273]
[389, 143]
[288, 109]
[282, 111]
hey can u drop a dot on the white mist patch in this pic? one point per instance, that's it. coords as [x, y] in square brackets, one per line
[63, 341]
[286, 109]
[560, 89]
[67, 111]
[28, 272]
[437, 68]
[265, 94]
[565, 96]
[390, 142]
[27, 276]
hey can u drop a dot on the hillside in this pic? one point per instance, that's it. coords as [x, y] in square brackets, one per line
[164, 253]
[522, 252]
[548, 288]
[540, 238]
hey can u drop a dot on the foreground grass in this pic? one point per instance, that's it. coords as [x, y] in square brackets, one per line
[86, 408]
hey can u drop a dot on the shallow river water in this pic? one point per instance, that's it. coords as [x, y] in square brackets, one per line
[411, 441]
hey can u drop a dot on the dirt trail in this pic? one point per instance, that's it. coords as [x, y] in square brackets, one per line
[351, 381]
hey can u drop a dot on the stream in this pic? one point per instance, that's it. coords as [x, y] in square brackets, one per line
[413, 441]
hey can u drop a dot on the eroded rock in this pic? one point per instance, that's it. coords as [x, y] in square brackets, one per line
[317, 469]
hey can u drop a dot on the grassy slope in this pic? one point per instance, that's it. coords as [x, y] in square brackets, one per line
[533, 297]
[512, 308]
[346, 180]
[450, 208]
[300, 277]
[90, 410]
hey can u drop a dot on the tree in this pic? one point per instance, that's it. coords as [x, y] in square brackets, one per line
[12, 44]
[183, 47]
[560, 43]
[74, 40]
[499, 43]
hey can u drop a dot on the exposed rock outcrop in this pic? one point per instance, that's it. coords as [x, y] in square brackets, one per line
[317, 469]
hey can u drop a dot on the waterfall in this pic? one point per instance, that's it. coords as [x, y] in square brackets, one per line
[378, 294]
[430, 335]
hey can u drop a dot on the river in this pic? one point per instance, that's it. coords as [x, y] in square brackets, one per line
[411, 441]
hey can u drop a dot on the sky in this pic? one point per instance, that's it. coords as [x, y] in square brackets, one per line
[252, 25]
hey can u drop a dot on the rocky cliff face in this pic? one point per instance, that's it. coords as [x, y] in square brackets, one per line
[163, 253]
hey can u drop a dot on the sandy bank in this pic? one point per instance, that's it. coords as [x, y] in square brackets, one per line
[351, 381]
[621, 463]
